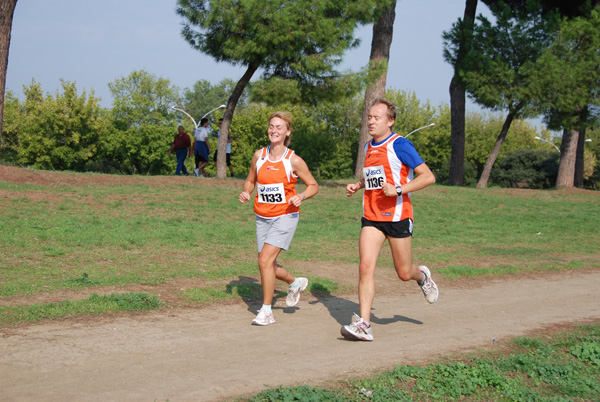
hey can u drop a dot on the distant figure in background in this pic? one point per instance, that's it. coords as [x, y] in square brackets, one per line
[183, 148]
[201, 148]
[228, 160]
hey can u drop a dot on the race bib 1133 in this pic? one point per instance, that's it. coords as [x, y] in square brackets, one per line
[271, 193]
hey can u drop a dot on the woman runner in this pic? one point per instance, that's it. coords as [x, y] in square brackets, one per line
[274, 172]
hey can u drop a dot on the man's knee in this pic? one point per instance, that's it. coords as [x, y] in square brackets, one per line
[405, 272]
[366, 270]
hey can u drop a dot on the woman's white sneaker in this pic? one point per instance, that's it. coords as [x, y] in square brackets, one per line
[263, 318]
[293, 296]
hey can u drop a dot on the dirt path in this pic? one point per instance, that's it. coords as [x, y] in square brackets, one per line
[211, 354]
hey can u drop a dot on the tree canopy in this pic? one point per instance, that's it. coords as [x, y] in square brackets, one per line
[204, 97]
[568, 73]
[498, 69]
[300, 41]
[142, 98]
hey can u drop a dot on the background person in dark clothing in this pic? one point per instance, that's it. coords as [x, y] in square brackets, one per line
[183, 148]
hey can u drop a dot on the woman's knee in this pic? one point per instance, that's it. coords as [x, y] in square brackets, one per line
[266, 262]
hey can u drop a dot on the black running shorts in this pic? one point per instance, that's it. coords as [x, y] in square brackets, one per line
[401, 229]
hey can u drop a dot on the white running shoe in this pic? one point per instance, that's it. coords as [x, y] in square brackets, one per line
[429, 288]
[293, 296]
[358, 330]
[263, 318]
[196, 171]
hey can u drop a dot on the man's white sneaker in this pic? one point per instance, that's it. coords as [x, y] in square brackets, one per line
[196, 171]
[429, 288]
[293, 296]
[358, 330]
[263, 318]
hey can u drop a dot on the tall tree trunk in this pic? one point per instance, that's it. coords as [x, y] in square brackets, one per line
[383, 32]
[7, 10]
[457, 106]
[456, 175]
[579, 160]
[568, 155]
[227, 117]
[489, 163]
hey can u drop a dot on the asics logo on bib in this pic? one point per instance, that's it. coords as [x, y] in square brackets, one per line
[372, 172]
[268, 189]
[374, 177]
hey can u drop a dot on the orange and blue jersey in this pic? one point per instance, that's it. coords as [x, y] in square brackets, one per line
[275, 184]
[392, 161]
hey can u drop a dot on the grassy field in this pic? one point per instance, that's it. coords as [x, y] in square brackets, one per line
[557, 367]
[107, 239]
[151, 232]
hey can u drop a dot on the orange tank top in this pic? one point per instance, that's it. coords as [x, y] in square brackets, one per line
[275, 185]
[382, 164]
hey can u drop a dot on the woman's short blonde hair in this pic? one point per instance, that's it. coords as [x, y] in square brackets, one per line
[287, 117]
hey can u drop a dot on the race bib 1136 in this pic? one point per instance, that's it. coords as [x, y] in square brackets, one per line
[374, 177]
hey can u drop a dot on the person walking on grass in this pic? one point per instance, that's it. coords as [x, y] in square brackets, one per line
[182, 146]
[201, 148]
[273, 172]
[390, 161]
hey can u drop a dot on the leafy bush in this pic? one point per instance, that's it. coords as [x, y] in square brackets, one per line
[303, 393]
[532, 168]
[470, 173]
[59, 132]
[587, 352]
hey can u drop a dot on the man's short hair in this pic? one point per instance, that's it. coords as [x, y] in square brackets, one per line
[203, 121]
[391, 108]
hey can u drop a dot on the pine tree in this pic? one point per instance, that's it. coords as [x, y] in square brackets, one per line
[299, 40]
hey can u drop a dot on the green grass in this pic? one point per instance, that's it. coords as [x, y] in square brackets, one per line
[63, 237]
[252, 291]
[563, 367]
[94, 305]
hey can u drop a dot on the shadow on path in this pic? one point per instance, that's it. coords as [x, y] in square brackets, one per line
[250, 291]
[341, 309]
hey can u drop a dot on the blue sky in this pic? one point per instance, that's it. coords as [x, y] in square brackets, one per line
[93, 43]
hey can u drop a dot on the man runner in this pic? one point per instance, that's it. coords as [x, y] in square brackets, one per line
[390, 161]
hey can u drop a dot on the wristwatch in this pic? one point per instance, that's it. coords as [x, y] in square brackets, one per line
[399, 190]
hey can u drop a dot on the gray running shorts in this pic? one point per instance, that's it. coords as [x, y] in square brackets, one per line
[277, 232]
